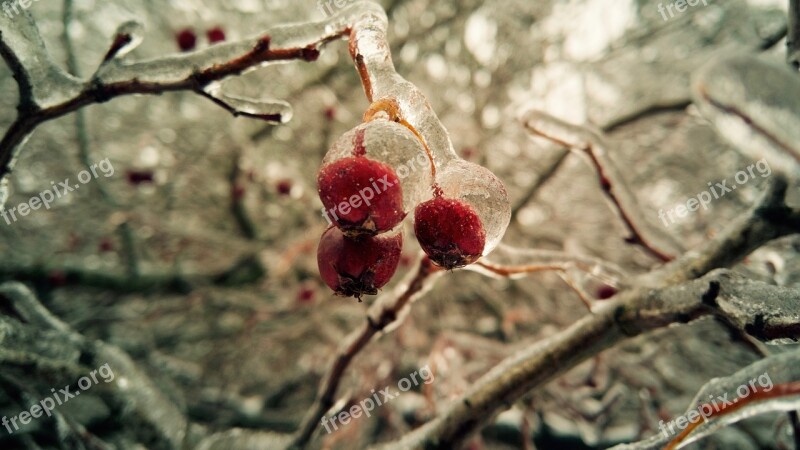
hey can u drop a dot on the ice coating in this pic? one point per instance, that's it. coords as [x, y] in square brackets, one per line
[755, 105]
[482, 190]
[457, 178]
[767, 377]
[370, 50]
[394, 145]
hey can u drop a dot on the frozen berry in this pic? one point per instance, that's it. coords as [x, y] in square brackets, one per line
[186, 39]
[395, 146]
[355, 267]
[216, 34]
[449, 231]
[479, 188]
[361, 195]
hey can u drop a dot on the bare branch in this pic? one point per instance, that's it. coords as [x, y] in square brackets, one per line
[636, 311]
[640, 309]
[574, 137]
[39, 79]
[388, 312]
[769, 219]
[23, 50]
[58, 353]
[246, 270]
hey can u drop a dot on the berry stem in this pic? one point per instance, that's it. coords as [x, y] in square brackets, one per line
[391, 107]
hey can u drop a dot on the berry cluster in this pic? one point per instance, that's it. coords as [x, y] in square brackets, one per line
[187, 39]
[368, 181]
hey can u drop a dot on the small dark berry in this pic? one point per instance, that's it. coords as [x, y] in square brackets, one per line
[449, 231]
[106, 245]
[356, 267]
[238, 191]
[216, 34]
[136, 177]
[605, 292]
[187, 40]
[306, 295]
[284, 187]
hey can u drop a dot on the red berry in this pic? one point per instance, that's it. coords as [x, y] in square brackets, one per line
[355, 267]
[449, 231]
[361, 195]
[238, 191]
[605, 292]
[216, 34]
[186, 39]
[106, 245]
[284, 187]
[306, 295]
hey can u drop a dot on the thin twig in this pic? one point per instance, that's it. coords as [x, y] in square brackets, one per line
[81, 127]
[574, 137]
[244, 271]
[386, 312]
[190, 72]
[793, 35]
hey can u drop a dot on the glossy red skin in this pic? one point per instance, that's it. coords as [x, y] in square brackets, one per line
[449, 231]
[356, 267]
[357, 176]
[186, 40]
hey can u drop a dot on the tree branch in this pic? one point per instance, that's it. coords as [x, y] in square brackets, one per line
[244, 271]
[21, 47]
[654, 301]
[387, 313]
[574, 137]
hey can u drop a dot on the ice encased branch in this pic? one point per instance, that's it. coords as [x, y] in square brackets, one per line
[47, 92]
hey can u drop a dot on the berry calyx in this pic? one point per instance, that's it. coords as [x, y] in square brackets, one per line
[186, 39]
[361, 196]
[357, 266]
[449, 231]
